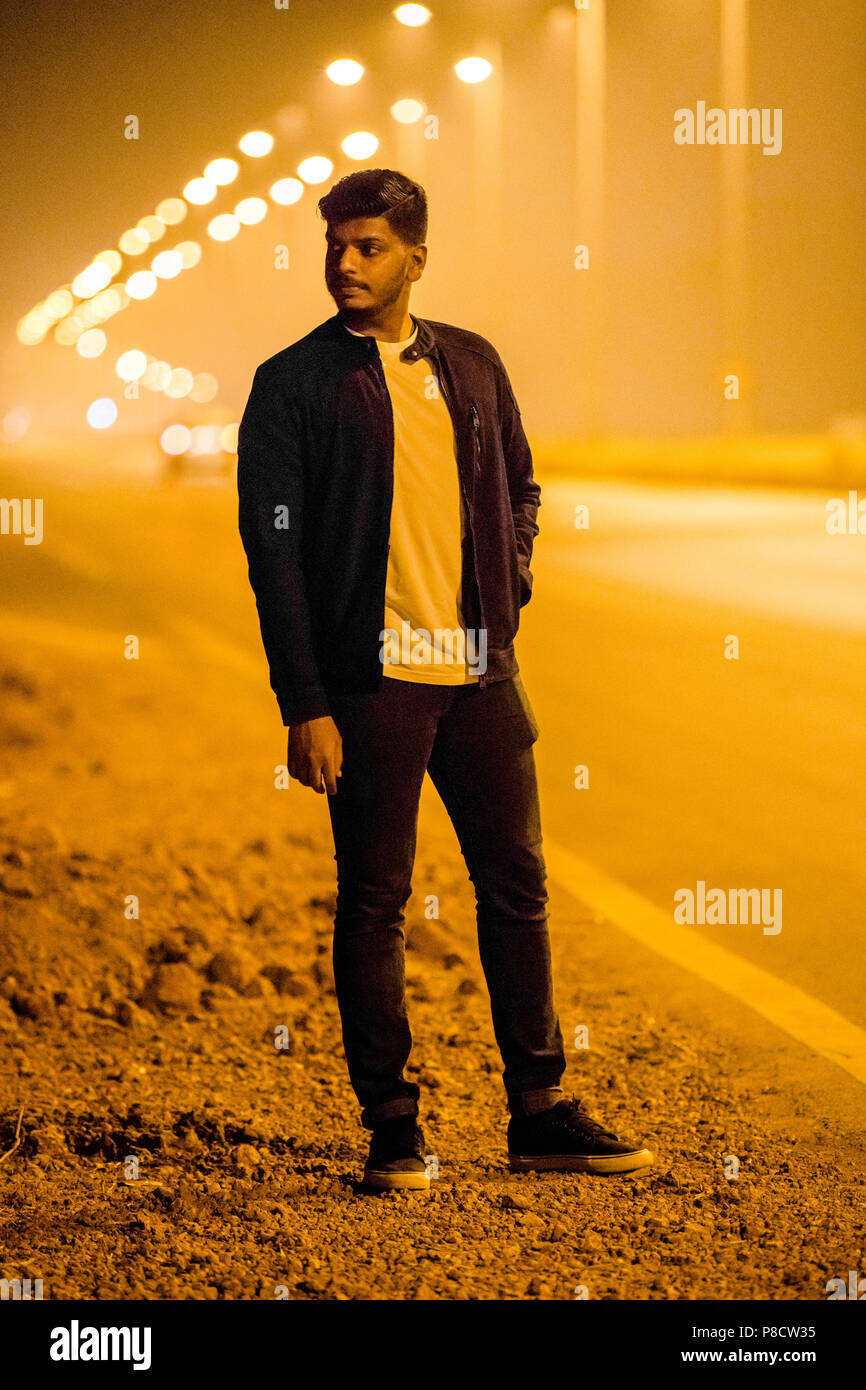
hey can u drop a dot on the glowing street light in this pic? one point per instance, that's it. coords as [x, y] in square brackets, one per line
[174, 440]
[102, 413]
[200, 191]
[131, 365]
[204, 387]
[256, 143]
[361, 144]
[134, 241]
[315, 169]
[141, 284]
[189, 252]
[91, 343]
[249, 211]
[473, 69]
[222, 171]
[167, 264]
[152, 226]
[407, 111]
[223, 227]
[91, 280]
[171, 211]
[413, 16]
[345, 72]
[179, 383]
[286, 191]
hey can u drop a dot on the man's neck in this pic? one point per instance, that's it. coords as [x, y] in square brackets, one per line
[385, 331]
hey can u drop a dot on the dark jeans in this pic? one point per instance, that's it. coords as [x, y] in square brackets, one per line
[476, 745]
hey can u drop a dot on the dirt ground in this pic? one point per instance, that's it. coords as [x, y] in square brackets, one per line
[176, 1120]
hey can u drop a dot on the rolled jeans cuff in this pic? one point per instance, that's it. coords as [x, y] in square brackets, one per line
[387, 1110]
[531, 1102]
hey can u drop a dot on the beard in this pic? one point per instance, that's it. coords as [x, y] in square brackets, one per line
[381, 298]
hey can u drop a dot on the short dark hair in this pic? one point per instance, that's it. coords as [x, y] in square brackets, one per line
[379, 193]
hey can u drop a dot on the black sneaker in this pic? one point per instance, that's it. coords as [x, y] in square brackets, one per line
[397, 1156]
[565, 1139]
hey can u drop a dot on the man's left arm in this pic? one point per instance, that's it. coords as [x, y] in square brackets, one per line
[523, 490]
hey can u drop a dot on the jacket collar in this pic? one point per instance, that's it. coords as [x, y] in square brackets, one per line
[425, 340]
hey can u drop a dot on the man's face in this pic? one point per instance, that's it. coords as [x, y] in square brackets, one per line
[367, 256]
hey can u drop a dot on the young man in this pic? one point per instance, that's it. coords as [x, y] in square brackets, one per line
[387, 510]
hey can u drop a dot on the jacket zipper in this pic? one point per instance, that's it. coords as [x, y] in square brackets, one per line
[476, 466]
[476, 439]
[379, 373]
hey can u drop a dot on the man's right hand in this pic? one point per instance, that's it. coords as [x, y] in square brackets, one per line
[316, 754]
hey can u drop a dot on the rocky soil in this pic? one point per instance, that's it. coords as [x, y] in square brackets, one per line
[175, 1117]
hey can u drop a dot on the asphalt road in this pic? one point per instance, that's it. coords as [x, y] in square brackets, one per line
[741, 773]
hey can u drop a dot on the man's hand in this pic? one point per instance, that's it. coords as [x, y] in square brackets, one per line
[316, 753]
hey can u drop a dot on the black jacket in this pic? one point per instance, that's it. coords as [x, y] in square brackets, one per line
[315, 486]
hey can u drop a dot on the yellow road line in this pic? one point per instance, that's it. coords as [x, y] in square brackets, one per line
[789, 1008]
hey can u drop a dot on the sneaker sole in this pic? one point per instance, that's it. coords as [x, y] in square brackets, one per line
[386, 1182]
[576, 1163]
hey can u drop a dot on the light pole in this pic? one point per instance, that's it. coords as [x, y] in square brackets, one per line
[734, 81]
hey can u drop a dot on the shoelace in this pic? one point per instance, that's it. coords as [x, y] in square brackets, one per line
[575, 1109]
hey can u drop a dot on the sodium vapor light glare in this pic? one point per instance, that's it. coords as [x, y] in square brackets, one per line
[171, 211]
[413, 16]
[141, 284]
[286, 191]
[131, 365]
[174, 440]
[157, 374]
[179, 383]
[189, 252]
[200, 191]
[256, 143]
[407, 111]
[204, 387]
[229, 437]
[153, 227]
[222, 171]
[345, 72]
[361, 144]
[223, 227]
[102, 413]
[58, 304]
[249, 211]
[167, 264]
[473, 69]
[91, 343]
[204, 439]
[112, 259]
[315, 169]
[133, 242]
[91, 280]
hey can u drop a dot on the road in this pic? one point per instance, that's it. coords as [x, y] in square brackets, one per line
[741, 773]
